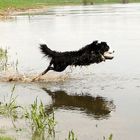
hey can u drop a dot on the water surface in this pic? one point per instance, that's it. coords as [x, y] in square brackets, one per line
[94, 101]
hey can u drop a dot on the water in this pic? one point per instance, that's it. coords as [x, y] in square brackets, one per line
[94, 101]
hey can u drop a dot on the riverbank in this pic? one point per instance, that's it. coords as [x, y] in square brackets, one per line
[7, 13]
[8, 7]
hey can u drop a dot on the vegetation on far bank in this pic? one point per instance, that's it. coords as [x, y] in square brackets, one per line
[25, 4]
[5, 138]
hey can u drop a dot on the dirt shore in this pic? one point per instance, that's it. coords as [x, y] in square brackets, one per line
[5, 14]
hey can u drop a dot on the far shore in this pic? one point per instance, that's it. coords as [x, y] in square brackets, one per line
[8, 12]
[5, 14]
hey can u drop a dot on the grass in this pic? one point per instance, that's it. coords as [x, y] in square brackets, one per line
[71, 136]
[39, 119]
[37, 116]
[25, 4]
[110, 137]
[3, 59]
[6, 63]
[9, 108]
[5, 138]
[3, 53]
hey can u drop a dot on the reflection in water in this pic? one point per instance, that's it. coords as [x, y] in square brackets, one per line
[98, 107]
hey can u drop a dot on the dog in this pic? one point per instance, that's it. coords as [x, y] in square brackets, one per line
[92, 53]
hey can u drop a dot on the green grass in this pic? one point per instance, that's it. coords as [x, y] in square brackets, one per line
[5, 138]
[9, 108]
[25, 4]
[71, 136]
[5, 64]
[39, 119]
[3, 59]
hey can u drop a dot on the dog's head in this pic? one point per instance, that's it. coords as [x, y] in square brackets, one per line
[103, 50]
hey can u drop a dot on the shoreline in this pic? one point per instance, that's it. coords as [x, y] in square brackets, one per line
[8, 13]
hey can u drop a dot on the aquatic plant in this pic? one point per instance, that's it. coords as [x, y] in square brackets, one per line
[9, 108]
[39, 119]
[16, 65]
[2, 53]
[6, 63]
[110, 137]
[71, 136]
[3, 59]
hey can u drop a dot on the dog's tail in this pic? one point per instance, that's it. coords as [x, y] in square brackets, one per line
[45, 50]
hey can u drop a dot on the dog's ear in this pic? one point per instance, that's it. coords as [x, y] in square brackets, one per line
[104, 46]
[104, 43]
[95, 42]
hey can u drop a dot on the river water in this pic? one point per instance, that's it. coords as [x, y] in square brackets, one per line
[93, 101]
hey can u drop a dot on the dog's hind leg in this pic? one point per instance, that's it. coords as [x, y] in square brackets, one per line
[44, 72]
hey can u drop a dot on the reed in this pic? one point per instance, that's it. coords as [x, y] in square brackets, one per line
[9, 108]
[71, 136]
[3, 59]
[39, 119]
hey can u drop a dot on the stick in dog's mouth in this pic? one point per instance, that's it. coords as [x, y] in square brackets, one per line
[108, 55]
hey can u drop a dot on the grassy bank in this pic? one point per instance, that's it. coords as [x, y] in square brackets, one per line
[5, 138]
[24, 4]
[7, 6]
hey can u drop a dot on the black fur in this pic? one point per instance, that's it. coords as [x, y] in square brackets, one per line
[92, 53]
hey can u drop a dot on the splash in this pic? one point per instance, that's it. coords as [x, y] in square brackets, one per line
[27, 78]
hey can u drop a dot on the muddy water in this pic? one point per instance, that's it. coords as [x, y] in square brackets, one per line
[94, 101]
